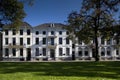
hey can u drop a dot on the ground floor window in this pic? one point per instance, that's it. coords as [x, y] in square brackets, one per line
[80, 53]
[14, 52]
[67, 51]
[6, 52]
[60, 51]
[37, 51]
[108, 51]
[102, 53]
[44, 51]
[117, 52]
[21, 51]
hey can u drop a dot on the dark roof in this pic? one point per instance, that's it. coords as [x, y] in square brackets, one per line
[24, 24]
[49, 25]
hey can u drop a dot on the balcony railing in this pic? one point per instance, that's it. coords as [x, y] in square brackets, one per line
[52, 46]
[15, 46]
[52, 36]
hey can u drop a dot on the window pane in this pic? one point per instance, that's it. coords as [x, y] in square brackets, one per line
[6, 41]
[14, 51]
[37, 40]
[14, 41]
[37, 32]
[44, 32]
[37, 51]
[21, 41]
[6, 32]
[52, 32]
[60, 40]
[44, 40]
[28, 41]
[6, 52]
[21, 32]
[28, 32]
[60, 32]
[67, 41]
[60, 51]
[21, 51]
[67, 51]
[14, 32]
[44, 51]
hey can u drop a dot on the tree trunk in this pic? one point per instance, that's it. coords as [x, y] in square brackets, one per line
[96, 47]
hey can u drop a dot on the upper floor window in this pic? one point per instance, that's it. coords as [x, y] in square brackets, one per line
[73, 46]
[108, 41]
[102, 40]
[67, 41]
[28, 32]
[60, 32]
[28, 41]
[6, 32]
[44, 32]
[6, 41]
[37, 32]
[67, 33]
[21, 41]
[14, 41]
[60, 40]
[44, 40]
[21, 32]
[14, 32]
[52, 32]
[37, 40]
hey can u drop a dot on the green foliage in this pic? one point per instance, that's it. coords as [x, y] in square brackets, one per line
[95, 19]
[12, 12]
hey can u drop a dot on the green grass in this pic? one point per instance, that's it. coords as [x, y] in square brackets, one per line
[60, 71]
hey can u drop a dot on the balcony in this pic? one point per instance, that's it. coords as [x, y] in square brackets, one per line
[52, 46]
[15, 46]
[51, 36]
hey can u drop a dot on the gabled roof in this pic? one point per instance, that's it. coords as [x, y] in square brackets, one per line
[47, 25]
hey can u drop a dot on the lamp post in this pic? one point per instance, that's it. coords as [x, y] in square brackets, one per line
[1, 29]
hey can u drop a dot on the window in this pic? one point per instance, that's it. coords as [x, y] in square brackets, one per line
[21, 32]
[37, 32]
[102, 40]
[60, 51]
[73, 46]
[14, 32]
[67, 51]
[117, 52]
[86, 53]
[44, 32]
[108, 51]
[52, 32]
[67, 41]
[52, 41]
[117, 41]
[44, 40]
[37, 41]
[21, 51]
[21, 41]
[60, 32]
[14, 41]
[44, 51]
[67, 33]
[6, 41]
[6, 32]
[14, 51]
[60, 40]
[108, 41]
[28, 32]
[6, 52]
[102, 53]
[37, 52]
[28, 41]
[80, 53]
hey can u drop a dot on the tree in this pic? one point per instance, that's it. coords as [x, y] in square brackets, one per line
[12, 12]
[95, 19]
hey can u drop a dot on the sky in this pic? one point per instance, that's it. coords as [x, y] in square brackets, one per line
[50, 11]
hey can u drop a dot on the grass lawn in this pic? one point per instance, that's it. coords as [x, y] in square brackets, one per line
[59, 70]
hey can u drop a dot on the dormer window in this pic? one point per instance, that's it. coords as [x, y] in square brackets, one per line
[52, 32]
[37, 32]
[52, 25]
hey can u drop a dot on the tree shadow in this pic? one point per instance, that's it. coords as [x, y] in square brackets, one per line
[75, 69]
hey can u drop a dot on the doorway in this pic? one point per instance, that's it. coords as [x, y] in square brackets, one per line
[52, 54]
[28, 54]
[73, 55]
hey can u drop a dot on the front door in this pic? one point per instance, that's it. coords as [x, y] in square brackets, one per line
[52, 54]
[28, 54]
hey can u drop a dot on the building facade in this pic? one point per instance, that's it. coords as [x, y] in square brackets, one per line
[48, 42]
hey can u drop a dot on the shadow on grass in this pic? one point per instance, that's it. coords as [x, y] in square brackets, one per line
[75, 69]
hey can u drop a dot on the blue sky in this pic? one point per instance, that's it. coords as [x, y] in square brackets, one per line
[50, 11]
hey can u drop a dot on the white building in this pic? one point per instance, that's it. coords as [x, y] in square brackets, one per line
[50, 42]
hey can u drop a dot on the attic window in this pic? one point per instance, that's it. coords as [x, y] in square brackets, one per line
[52, 25]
